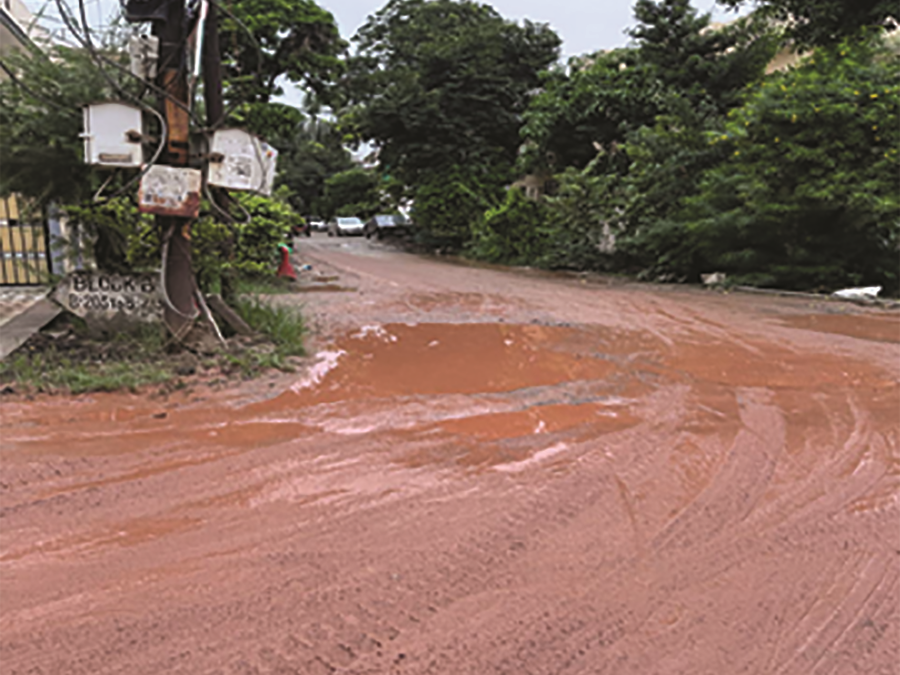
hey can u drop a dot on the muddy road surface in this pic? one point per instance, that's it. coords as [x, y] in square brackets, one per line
[479, 472]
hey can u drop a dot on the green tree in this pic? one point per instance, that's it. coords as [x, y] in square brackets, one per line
[354, 192]
[602, 98]
[292, 39]
[311, 156]
[41, 151]
[708, 67]
[443, 84]
[825, 22]
[265, 43]
[676, 60]
[807, 197]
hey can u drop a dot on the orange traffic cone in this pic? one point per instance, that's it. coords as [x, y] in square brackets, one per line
[285, 269]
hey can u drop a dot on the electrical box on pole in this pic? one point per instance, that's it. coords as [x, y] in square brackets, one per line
[112, 135]
[170, 191]
[241, 161]
[143, 54]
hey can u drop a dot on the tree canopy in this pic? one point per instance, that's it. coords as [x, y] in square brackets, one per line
[442, 84]
[311, 156]
[826, 22]
[294, 39]
[40, 123]
[675, 57]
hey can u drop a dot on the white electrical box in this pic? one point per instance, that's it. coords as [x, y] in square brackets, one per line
[241, 161]
[143, 52]
[107, 141]
[170, 191]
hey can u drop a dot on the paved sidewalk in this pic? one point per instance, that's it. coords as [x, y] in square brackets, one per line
[24, 310]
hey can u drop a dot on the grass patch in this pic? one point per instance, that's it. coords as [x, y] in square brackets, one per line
[52, 370]
[283, 326]
[269, 285]
[64, 357]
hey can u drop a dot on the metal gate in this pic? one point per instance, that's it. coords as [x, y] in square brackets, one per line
[24, 247]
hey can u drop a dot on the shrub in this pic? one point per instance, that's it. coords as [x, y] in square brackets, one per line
[807, 196]
[512, 233]
[448, 203]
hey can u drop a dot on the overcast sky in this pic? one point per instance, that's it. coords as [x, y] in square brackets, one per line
[583, 25]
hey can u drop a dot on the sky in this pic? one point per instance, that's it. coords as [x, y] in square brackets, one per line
[584, 25]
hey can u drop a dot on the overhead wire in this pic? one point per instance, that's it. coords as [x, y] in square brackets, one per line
[96, 55]
[31, 92]
[259, 61]
[88, 43]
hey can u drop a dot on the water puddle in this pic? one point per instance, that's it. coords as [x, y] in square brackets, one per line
[435, 359]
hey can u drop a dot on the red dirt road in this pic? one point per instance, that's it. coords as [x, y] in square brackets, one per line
[480, 472]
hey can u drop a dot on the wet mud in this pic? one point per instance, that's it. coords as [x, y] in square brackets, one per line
[562, 480]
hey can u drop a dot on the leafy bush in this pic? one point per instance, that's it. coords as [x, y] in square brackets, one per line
[511, 233]
[581, 219]
[807, 196]
[353, 192]
[447, 204]
[220, 253]
[105, 233]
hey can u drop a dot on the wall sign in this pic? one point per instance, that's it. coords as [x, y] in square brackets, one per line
[111, 300]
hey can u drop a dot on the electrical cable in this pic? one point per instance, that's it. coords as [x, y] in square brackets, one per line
[207, 314]
[162, 273]
[96, 197]
[31, 92]
[69, 21]
[259, 61]
[212, 202]
[89, 45]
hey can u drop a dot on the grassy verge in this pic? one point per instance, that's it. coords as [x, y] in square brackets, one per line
[50, 372]
[264, 286]
[64, 358]
[283, 328]
[79, 365]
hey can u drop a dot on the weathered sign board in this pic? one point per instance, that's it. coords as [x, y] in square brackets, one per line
[170, 191]
[111, 302]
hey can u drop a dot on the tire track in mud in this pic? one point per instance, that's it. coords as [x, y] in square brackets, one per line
[740, 520]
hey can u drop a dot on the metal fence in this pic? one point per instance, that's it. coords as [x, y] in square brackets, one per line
[24, 247]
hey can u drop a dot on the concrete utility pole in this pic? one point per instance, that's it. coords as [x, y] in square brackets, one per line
[178, 278]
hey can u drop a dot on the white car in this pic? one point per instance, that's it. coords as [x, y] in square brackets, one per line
[343, 226]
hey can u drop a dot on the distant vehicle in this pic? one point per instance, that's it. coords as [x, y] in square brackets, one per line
[343, 226]
[386, 225]
[317, 223]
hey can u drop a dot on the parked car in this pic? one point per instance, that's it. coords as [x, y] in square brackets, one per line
[386, 225]
[317, 223]
[345, 225]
